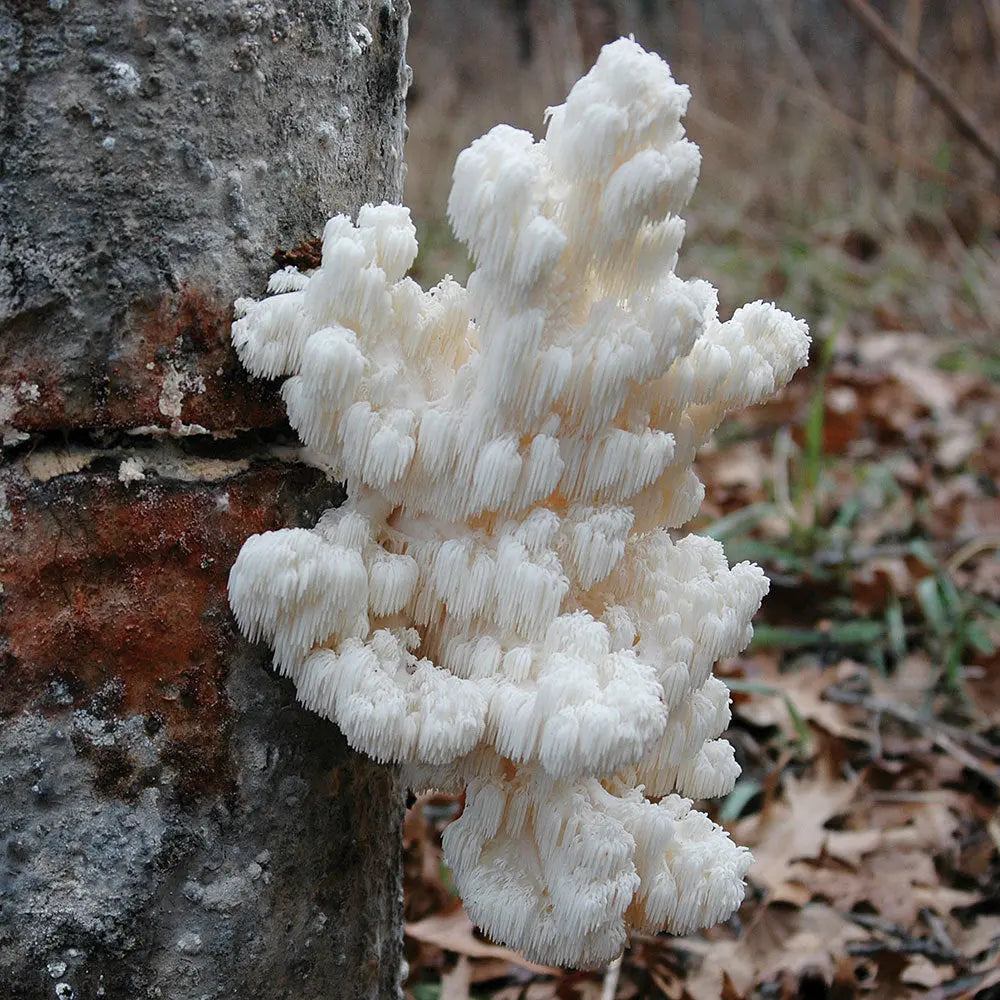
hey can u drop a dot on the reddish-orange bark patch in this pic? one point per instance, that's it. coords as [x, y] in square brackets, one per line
[177, 348]
[105, 584]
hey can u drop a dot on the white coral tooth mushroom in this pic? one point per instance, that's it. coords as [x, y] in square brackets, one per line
[499, 605]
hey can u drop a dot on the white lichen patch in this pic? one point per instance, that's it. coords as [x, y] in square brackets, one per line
[122, 81]
[500, 605]
[131, 470]
[180, 429]
[177, 383]
[359, 40]
[11, 400]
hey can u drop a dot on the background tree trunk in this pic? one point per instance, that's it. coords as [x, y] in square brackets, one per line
[172, 823]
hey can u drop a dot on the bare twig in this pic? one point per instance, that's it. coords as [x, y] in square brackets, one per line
[903, 941]
[868, 136]
[972, 548]
[789, 45]
[938, 931]
[914, 718]
[950, 103]
[877, 142]
[904, 103]
[946, 737]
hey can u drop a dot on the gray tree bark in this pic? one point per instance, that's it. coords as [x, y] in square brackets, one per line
[172, 823]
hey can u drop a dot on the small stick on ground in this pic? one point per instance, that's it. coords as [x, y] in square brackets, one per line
[944, 736]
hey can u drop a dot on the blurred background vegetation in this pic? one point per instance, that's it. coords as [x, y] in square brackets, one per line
[850, 173]
[832, 181]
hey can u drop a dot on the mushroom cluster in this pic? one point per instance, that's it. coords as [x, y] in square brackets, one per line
[500, 605]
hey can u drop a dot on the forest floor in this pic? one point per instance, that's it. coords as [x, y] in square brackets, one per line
[867, 709]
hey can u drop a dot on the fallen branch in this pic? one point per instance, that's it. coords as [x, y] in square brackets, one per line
[950, 103]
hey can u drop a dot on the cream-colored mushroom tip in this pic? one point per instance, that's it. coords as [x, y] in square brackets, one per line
[503, 604]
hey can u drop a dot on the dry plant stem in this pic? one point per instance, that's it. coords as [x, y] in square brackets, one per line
[610, 985]
[950, 103]
[972, 548]
[904, 102]
[783, 447]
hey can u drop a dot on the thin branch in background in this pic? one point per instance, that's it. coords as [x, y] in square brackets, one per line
[811, 91]
[951, 104]
[991, 8]
[596, 25]
[557, 46]
[876, 141]
[905, 97]
[802, 71]
[869, 137]
[789, 46]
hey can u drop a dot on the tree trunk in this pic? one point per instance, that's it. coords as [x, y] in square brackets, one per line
[172, 823]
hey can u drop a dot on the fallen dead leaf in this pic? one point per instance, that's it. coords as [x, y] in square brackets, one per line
[924, 973]
[981, 941]
[983, 686]
[804, 689]
[913, 677]
[780, 940]
[981, 988]
[793, 829]
[454, 931]
[927, 826]
[886, 881]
